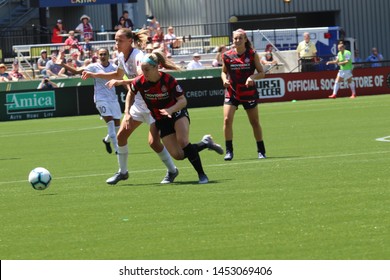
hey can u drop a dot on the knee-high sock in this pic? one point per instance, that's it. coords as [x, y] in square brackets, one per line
[123, 154]
[193, 156]
[112, 134]
[352, 87]
[336, 88]
[167, 160]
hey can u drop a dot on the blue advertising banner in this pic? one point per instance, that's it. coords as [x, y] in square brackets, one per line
[66, 3]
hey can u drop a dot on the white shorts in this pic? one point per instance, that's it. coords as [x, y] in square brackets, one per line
[141, 115]
[109, 109]
[345, 74]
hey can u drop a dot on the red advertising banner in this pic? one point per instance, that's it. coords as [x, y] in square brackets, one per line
[316, 85]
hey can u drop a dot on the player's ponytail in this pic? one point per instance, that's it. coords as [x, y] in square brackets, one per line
[158, 58]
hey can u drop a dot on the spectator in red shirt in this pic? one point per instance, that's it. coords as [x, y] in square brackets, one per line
[57, 30]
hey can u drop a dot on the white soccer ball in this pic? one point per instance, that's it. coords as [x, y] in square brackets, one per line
[39, 178]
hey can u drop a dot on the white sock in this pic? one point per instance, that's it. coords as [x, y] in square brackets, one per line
[107, 138]
[123, 154]
[336, 88]
[112, 134]
[167, 160]
[352, 87]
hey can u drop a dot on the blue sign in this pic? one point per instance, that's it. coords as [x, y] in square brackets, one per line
[67, 3]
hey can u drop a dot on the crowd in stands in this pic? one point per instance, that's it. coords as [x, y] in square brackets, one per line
[78, 51]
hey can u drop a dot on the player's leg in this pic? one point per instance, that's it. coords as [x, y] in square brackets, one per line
[163, 153]
[125, 130]
[229, 110]
[336, 86]
[351, 85]
[190, 150]
[253, 116]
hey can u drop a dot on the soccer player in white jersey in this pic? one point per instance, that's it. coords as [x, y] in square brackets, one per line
[104, 97]
[137, 113]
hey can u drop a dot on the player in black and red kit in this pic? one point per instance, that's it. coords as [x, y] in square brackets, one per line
[166, 101]
[238, 75]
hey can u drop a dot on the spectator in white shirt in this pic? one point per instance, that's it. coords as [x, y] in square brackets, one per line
[195, 63]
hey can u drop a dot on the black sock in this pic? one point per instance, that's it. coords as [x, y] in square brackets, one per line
[193, 156]
[200, 146]
[260, 147]
[229, 145]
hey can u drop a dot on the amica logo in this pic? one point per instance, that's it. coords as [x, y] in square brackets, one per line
[28, 102]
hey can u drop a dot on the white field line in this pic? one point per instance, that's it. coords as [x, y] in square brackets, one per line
[383, 139]
[251, 162]
[28, 133]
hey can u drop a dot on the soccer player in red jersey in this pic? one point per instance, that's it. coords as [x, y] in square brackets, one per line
[167, 103]
[238, 76]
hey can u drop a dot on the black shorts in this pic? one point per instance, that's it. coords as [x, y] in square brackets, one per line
[246, 104]
[166, 126]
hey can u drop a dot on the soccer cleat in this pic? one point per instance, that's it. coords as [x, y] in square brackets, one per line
[261, 156]
[117, 177]
[208, 140]
[332, 96]
[203, 179]
[170, 177]
[353, 96]
[108, 146]
[229, 155]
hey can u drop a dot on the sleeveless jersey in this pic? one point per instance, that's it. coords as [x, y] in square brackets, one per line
[131, 65]
[343, 57]
[159, 95]
[101, 91]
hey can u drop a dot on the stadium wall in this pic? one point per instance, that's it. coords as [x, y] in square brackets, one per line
[22, 100]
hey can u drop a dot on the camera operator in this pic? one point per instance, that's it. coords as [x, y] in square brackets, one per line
[47, 84]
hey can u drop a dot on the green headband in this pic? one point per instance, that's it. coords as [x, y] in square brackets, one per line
[147, 59]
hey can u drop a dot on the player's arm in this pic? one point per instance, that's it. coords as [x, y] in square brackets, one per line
[333, 61]
[128, 102]
[71, 68]
[180, 104]
[118, 74]
[257, 76]
[224, 76]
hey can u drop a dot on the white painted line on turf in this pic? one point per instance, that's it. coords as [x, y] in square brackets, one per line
[383, 139]
[49, 132]
[269, 160]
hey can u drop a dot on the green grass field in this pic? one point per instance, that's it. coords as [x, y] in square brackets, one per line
[322, 193]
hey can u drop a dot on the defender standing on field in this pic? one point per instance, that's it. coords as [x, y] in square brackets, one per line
[238, 75]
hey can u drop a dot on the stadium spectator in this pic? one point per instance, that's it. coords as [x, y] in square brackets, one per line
[15, 75]
[85, 28]
[217, 61]
[268, 61]
[238, 76]
[170, 112]
[128, 23]
[170, 39]
[344, 61]
[129, 60]
[195, 62]
[53, 68]
[64, 71]
[307, 53]
[158, 37]
[375, 57]
[57, 31]
[153, 25]
[41, 63]
[121, 23]
[149, 48]
[4, 77]
[72, 43]
[47, 84]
